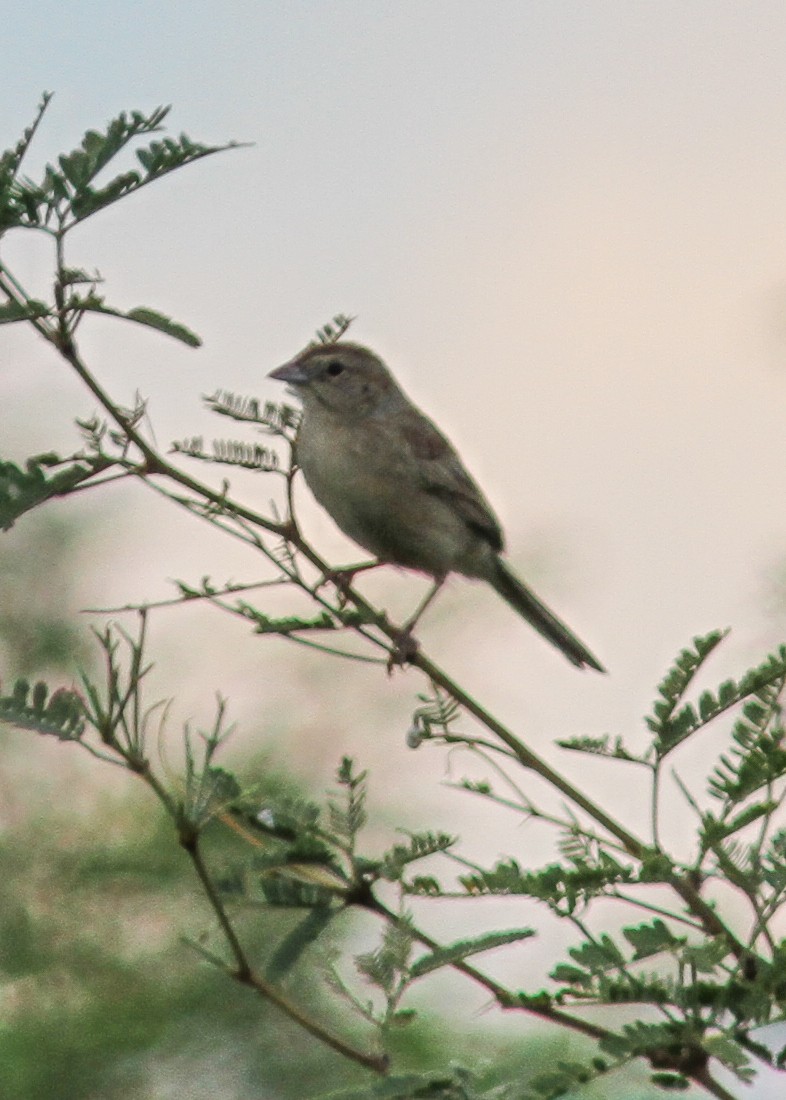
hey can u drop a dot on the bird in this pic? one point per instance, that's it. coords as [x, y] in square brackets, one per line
[396, 486]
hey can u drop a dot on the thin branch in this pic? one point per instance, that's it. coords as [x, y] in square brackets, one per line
[243, 973]
[713, 1087]
[650, 908]
[190, 597]
[503, 997]
[156, 465]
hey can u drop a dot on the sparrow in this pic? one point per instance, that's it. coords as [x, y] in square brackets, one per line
[394, 484]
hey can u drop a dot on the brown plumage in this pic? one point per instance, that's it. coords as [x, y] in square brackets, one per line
[393, 483]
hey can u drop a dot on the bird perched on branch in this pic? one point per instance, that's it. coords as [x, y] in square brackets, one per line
[393, 483]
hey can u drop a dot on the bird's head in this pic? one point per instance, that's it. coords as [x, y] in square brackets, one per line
[348, 379]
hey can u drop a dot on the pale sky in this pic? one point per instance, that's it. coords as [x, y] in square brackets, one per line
[564, 226]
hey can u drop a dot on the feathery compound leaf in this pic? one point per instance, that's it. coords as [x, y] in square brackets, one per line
[150, 317]
[389, 964]
[29, 310]
[61, 715]
[291, 893]
[420, 846]
[348, 817]
[80, 167]
[672, 728]
[600, 746]
[774, 862]
[676, 682]
[759, 757]
[455, 952]
[572, 975]
[141, 315]
[563, 888]
[302, 936]
[20, 199]
[424, 886]
[651, 939]
[563, 1080]
[714, 831]
[11, 161]
[334, 330]
[731, 1055]
[263, 624]
[665, 1044]
[70, 185]
[411, 1086]
[672, 1082]
[22, 490]
[598, 956]
[251, 456]
[229, 452]
[278, 418]
[99, 148]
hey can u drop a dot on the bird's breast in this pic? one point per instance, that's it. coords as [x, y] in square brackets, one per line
[373, 487]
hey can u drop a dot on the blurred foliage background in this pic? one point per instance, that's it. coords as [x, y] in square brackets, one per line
[101, 997]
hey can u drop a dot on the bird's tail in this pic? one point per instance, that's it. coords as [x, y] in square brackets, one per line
[528, 605]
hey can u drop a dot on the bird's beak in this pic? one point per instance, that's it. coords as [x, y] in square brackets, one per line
[293, 373]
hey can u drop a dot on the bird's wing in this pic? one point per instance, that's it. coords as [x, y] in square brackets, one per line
[442, 473]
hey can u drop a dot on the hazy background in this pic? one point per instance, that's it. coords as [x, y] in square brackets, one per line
[562, 224]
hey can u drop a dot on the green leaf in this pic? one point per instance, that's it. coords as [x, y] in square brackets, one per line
[571, 975]
[70, 186]
[420, 846]
[61, 715]
[672, 726]
[561, 886]
[165, 325]
[677, 680]
[731, 1055]
[598, 956]
[600, 746]
[290, 893]
[758, 757]
[153, 319]
[89, 200]
[22, 490]
[674, 1082]
[333, 330]
[279, 419]
[22, 311]
[302, 936]
[11, 161]
[705, 957]
[651, 939]
[565, 1079]
[445, 956]
[412, 1086]
[140, 315]
[424, 886]
[389, 964]
[75, 167]
[714, 831]
[348, 817]
[231, 452]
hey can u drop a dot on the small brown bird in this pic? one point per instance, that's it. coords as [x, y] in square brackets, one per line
[393, 483]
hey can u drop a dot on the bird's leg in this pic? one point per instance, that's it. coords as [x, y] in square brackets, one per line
[405, 645]
[343, 577]
[412, 622]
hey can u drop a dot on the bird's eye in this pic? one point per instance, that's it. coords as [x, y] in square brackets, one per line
[334, 367]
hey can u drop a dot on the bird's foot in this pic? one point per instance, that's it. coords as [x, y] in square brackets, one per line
[343, 577]
[405, 646]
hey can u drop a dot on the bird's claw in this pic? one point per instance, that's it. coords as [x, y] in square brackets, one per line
[405, 647]
[343, 577]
